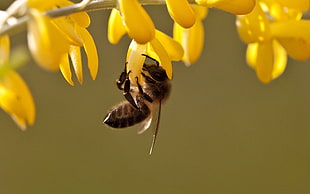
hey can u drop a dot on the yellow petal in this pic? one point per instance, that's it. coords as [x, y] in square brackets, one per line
[9, 101]
[65, 69]
[46, 43]
[76, 59]
[90, 49]
[80, 18]
[294, 36]
[296, 48]
[268, 59]
[138, 23]
[191, 39]
[264, 62]
[116, 28]
[280, 60]
[135, 60]
[66, 26]
[173, 48]
[181, 12]
[4, 49]
[251, 54]
[200, 11]
[20, 104]
[254, 27]
[238, 7]
[163, 56]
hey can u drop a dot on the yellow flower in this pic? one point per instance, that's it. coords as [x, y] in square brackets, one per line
[286, 9]
[52, 41]
[272, 37]
[238, 7]
[137, 22]
[131, 19]
[191, 39]
[162, 48]
[181, 12]
[268, 59]
[116, 29]
[294, 36]
[254, 27]
[15, 97]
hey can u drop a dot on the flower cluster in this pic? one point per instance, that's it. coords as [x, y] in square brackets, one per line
[272, 29]
[188, 34]
[52, 42]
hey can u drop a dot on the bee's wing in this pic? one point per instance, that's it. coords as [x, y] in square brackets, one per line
[145, 125]
[148, 122]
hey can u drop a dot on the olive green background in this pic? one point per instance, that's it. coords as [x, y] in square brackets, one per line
[221, 132]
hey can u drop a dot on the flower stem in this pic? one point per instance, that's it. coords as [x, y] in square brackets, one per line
[93, 5]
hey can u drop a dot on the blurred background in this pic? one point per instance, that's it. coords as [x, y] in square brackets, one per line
[221, 131]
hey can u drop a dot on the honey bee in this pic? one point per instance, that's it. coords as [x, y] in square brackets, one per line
[141, 100]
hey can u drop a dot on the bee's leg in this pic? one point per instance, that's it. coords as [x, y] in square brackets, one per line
[157, 63]
[121, 81]
[127, 94]
[145, 96]
[122, 78]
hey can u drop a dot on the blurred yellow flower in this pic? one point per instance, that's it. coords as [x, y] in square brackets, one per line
[52, 40]
[238, 7]
[272, 37]
[255, 26]
[267, 58]
[15, 97]
[4, 49]
[294, 36]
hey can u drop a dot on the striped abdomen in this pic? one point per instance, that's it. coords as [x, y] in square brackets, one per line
[125, 115]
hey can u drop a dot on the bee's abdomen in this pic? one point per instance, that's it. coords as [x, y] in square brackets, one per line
[125, 115]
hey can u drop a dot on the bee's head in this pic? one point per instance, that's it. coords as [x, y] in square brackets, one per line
[155, 71]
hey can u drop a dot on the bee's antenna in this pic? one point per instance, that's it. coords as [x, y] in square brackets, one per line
[156, 129]
[157, 63]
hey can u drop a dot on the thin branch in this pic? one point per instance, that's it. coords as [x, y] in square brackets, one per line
[94, 5]
[17, 27]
